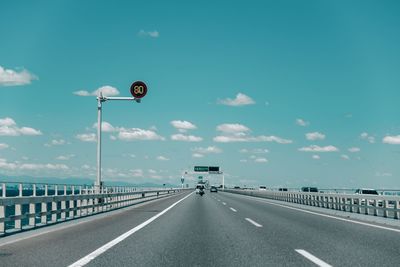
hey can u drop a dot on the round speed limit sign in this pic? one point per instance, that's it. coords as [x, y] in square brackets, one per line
[138, 89]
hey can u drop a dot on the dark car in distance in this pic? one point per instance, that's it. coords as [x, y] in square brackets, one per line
[309, 189]
[214, 189]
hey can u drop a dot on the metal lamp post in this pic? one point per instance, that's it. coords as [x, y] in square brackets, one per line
[138, 90]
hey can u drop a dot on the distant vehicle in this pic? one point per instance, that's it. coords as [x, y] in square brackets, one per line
[236, 187]
[262, 188]
[282, 189]
[309, 189]
[367, 191]
[199, 187]
[213, 189]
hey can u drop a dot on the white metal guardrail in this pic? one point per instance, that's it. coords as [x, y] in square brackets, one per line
[27, 206]
[383, 206]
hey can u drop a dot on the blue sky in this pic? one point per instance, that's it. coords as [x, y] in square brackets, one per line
[279, 93]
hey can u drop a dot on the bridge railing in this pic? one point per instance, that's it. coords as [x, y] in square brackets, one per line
[376, 205]
[26, 206]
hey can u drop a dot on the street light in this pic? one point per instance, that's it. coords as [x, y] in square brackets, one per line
[138, 90]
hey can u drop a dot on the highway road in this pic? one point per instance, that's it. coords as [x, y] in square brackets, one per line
[218, 229]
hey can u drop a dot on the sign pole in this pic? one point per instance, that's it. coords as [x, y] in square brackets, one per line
[138, 90]
[99, 107]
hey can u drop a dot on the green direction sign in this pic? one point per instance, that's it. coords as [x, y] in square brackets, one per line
[200, 177]
[201, 168]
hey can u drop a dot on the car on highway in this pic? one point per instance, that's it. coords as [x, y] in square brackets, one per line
[213, 189]
[262, 188]
[309, 189]
[283, 189]
[368, 191]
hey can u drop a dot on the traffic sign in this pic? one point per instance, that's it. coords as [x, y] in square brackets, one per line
[201, 168]
[213, 169]
[138, 89]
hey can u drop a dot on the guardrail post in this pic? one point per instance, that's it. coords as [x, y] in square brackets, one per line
[64, 204]
[385, 206]
[44, 206]
[396, 211]
[375, 207]
[351, 205]
[18, 209]
[71, 203]
[54, 205]
[32, 209]
[366, 207]
[78, 203]
[3, 209]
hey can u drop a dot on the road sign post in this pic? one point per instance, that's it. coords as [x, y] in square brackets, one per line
[138, 90]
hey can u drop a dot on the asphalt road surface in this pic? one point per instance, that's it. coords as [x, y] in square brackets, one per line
[217, 229]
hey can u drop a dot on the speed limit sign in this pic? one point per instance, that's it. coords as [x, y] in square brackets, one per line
[138, 89]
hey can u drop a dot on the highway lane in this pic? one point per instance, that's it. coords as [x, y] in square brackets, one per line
[218, 229]
[62, 247]
[231, 230]
[337, 242]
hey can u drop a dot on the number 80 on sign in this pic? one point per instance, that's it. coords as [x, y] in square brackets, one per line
[138, 89]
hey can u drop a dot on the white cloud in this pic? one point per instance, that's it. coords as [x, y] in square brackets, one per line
[4, 164]
[315, 148]
[261, 160]
[197, 155]
[3, 146]
[369, 138]
[105, 127]
[13, 78]
[345, 157]
[136, 172]
[384, 174]
[65, 157]
[354, 149]
[55, 142]
[245, 138]
[133, 134]
[240, 100]
[162, 158]
[316, 157]
[207, 150]
[392, 140]
[302, 122]
[315, 136]
[183, 126]
[8, 127]
[152, 34]
[239, 133]
[105, 90]
[255, 151]
[232, 128]
[186, 138]
[91, 137]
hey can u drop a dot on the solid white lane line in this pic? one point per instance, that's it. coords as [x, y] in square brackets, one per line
[232, 209]
[85, 260]
[327, 216]
[312, 258]
[253, 222]
[218, 200]
[223, 203]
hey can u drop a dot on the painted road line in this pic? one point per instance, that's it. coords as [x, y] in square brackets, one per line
[218, 200]
[312, 258]
[223, 203]
[253, 222]
[85, 260]
[232, 209]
